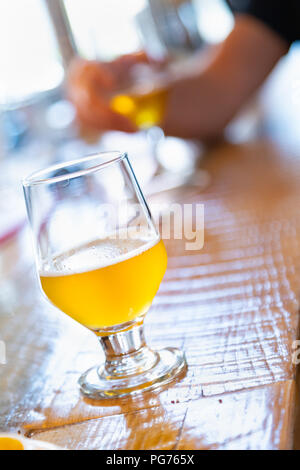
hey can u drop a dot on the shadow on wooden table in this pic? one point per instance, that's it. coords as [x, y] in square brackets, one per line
[152, 430]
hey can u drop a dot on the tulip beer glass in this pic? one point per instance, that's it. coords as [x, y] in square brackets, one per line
[144, 106]
[100, 260]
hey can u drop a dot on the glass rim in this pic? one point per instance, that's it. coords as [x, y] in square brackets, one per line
[36, 178]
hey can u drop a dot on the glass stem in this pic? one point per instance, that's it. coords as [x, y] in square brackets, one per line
[127, 353]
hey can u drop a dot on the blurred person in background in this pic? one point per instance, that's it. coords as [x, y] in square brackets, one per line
[201, 105]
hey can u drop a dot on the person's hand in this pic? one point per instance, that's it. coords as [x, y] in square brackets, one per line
[89, 86]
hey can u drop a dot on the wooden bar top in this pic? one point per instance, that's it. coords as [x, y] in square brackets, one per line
[233, 307]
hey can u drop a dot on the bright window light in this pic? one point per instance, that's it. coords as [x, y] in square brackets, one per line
[105, 29]
[214, 18]
[28, 51]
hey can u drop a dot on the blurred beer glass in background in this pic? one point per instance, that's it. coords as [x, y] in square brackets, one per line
[167, 30]
[40, 37]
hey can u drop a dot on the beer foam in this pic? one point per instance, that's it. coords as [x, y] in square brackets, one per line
[96, 255]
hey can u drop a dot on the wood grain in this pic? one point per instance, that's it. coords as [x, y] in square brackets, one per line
[233, 306]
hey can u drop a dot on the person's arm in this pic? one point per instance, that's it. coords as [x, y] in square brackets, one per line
[202, 106]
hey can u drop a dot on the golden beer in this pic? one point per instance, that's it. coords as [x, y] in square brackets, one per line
[119, 283]
[10, 443]
[144, 109]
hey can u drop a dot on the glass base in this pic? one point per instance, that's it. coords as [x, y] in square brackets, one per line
[166, 364]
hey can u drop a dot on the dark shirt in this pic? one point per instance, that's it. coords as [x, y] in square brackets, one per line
[282, 16]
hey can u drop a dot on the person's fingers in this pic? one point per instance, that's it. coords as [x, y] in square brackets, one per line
[87, 85]
[94, 111]
[122, 123]
[89, 75]
[99, 76]
[105, 120]
[85, 82]
[122, 67]
[141, 57]
[128, 60]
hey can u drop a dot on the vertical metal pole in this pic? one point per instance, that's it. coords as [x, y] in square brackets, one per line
[62, 29]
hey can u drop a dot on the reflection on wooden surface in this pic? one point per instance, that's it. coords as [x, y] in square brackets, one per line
[233, 307]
